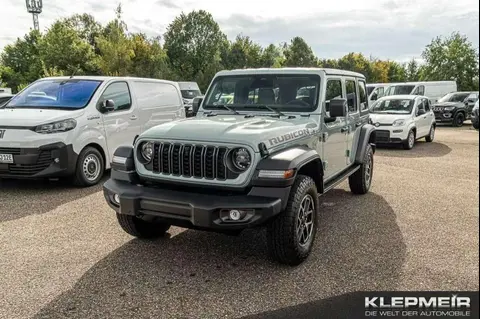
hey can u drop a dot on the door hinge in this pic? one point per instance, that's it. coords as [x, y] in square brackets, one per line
[325, 165]
[324, 137]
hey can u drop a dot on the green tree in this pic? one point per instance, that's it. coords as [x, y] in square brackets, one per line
[412, 71]
[356, 62]
[271, 57]
[194, 43]
[451, 58]
[21, 62]
[62, 48]
[328, 63]
[243, 53]
[115, 47]
[86, 27]
[149, 60]
[299, 54]
[396, 72]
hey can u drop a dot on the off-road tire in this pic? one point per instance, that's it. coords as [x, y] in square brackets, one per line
[282, 239]
[140, 228]
[361, 180]
[407, 143]
[431, 135]
[458, 119]
[476, 125]
[79, 178]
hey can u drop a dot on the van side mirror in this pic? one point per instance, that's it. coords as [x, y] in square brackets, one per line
[107, 106]
[196, 104]
[338, 108]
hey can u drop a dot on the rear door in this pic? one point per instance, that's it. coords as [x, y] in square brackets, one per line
[353, 115]
[121, 125]
[357, 121]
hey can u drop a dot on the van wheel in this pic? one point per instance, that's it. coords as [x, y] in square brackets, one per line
[90, 167]
[290, 236]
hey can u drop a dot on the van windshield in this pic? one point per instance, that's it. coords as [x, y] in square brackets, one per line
[69, 94]
[190, 94]
[282, 92]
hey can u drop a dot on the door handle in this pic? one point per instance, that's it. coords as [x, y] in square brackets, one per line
[133, 117]
[344, 129]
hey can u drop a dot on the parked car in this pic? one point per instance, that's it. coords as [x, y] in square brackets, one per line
[249, 163]
[455, 107]
[189, 90]
[4, 98]
[376, 91]
[70, 127]
[434, 90]
[403, 119]
[475, 116]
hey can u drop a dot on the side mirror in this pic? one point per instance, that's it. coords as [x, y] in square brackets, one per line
[196, 104]
[338, 108]
[374, 97]
[107, 106]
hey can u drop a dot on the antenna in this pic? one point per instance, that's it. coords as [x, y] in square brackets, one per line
[74, 72]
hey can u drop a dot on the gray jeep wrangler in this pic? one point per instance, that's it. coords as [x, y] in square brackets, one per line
[263, 146]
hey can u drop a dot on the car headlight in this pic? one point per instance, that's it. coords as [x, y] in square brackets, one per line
[187, 102]
[146, 150]
[449, 108]
[56, 127]
[241, 159]
[398, 123]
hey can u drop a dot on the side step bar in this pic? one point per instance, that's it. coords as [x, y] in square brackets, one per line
[339, 178]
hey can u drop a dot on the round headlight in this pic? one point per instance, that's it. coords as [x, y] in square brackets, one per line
[147, 151]
[241, 159]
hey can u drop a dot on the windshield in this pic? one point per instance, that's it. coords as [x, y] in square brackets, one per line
[190, 94]
[282, 92]
[454, 97]
[57, 94]
[393, 106]
[400, 90]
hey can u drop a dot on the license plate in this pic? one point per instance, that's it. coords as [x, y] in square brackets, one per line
[6, 158]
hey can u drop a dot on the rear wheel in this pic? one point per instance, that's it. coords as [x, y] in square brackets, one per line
[429, 138]
[410, 141]
[361, 180]
[141, 228]
[290, 236]
[459, 119]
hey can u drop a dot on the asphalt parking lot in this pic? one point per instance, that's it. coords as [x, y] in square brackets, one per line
[62, 254]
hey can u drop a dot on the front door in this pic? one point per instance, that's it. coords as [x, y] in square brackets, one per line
[121, 125]
[422, 122]
[335, 142]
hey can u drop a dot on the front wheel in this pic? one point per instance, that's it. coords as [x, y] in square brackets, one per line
[361, 180]
[140, 228]
[290, 236]
[459, 119]
[90, 167]
[410, 142]
[429, 138]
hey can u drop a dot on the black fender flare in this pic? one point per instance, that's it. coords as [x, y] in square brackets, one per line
[367, 136]
[293, 157]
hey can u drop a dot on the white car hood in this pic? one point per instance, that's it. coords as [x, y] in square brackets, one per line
[34, 117]
[388, 118]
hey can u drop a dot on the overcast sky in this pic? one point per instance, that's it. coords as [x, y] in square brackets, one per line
[388, 29]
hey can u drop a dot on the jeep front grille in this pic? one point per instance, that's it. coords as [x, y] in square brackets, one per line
[190, 160]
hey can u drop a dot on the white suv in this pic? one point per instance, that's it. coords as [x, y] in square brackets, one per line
[403, 119]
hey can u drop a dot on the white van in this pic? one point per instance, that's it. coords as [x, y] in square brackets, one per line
[71, 126]
[190, 90]
[434, 90]
[376, 91]
[5, 90]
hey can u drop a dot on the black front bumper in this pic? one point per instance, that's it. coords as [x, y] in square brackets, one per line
[196, 210]
[51, 160]
[383, 137]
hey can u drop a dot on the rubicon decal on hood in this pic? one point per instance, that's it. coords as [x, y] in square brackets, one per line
[293, 135]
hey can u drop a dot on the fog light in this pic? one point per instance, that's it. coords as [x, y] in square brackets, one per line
[56, 160]
[235, 214]
[116, 198]
[397, 131]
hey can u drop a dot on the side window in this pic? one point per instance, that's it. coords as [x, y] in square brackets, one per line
[380, 92]
[351, 96]
[119, 93]
[419, 90]
[334, 90]
[363, 95]
[427, 106]
[421, 106]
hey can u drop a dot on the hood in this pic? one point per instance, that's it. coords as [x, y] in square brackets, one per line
[34, 117]
[235, 129]
[445, 104]
[388, 118]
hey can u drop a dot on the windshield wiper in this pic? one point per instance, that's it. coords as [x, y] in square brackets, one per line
[265, 106]
[228, 108]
